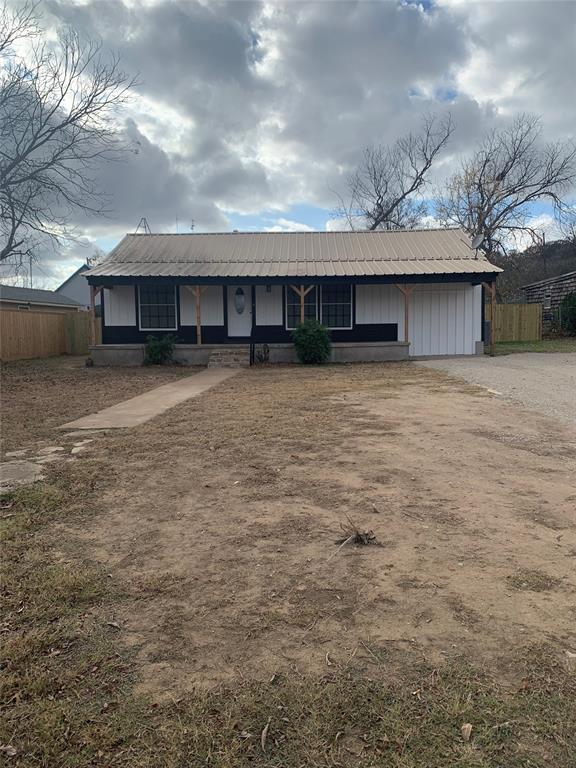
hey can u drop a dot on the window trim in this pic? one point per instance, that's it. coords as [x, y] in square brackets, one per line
[547, 303]
[175, 328]
[339, 327]
[289, 288]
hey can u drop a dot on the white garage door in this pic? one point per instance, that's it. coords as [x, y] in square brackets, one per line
[445, 320]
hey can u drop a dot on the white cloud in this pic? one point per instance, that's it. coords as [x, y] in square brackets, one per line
[545, 228]
[286, 225]
[253, 106]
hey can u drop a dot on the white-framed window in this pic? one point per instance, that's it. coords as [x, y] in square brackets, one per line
[157, 307]
[293, 306]
[331, 304]
[548, 298]
[336, 306]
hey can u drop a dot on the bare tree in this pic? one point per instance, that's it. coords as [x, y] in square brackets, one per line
[17, 24]
[493, 191]
[57, 104]
[567, 224]
[383, 190]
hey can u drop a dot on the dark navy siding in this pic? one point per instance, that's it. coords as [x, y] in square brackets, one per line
[262, 334]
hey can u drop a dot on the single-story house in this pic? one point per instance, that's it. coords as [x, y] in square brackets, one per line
[550, 293]
[36, 300]
[384, 295]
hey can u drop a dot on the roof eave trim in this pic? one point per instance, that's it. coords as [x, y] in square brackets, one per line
[39, 303]
[428, 277]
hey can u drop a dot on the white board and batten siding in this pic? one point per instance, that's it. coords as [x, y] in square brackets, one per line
[211, 305]
[269, 305]
[445, 319]
[377, 304]
[120, 305]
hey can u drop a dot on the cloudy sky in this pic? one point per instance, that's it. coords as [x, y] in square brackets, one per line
[250, 114]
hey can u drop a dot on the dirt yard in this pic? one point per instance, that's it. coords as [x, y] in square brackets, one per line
[215, 526]
[37, 396]
[221, 520]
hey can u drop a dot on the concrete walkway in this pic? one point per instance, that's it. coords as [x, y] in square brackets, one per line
[144, 407]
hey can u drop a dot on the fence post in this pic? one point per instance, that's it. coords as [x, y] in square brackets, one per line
[491, 288]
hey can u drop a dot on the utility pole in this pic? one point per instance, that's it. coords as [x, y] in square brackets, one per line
[30, 270]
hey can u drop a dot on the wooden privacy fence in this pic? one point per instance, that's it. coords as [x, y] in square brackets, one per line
[518, 322]
[42, 334]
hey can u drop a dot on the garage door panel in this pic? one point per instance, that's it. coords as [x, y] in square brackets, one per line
[443, 320]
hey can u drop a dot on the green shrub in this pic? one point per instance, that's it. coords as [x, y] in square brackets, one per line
[568, 313]
[312, 342]
[159, 351]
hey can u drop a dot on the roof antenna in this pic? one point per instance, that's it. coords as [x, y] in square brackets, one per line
[143, 224]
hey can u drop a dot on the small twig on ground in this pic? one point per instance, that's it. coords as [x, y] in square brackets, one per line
[353, 535]
[264, 735]
[370, 651]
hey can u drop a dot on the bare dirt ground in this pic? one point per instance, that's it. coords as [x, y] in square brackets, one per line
[36, 396]
[217, 523]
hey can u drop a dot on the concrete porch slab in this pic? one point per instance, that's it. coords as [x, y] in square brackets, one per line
[142, 408]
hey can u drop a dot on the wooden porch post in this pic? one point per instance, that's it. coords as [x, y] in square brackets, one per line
[197, 295]
[94, 291]
[407, 291]
[302, 292]
[491, 288]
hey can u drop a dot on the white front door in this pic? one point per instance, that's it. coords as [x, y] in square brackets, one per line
[239, 310]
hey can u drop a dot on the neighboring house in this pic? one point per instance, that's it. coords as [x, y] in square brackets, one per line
[384, 295]
[36, 300]
[76, 287]
[550, 293]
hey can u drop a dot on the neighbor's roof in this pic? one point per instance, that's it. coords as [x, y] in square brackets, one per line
[550, 280]
[298, 254]
[34, 296]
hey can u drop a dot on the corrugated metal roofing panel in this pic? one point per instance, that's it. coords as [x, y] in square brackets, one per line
[298, 254]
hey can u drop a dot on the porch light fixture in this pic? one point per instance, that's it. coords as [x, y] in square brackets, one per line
[239, 300]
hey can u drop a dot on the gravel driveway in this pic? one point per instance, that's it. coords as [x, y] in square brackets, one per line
[543, 382]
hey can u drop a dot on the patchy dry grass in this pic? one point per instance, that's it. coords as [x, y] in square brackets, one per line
[545, 345]
[71, 693]
[67, 696]
[533, 580]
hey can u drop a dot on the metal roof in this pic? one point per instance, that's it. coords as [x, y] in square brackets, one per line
[294, 254]
[35, 296]
[556, 279]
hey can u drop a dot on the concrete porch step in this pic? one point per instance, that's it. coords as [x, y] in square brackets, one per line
[230, 357]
